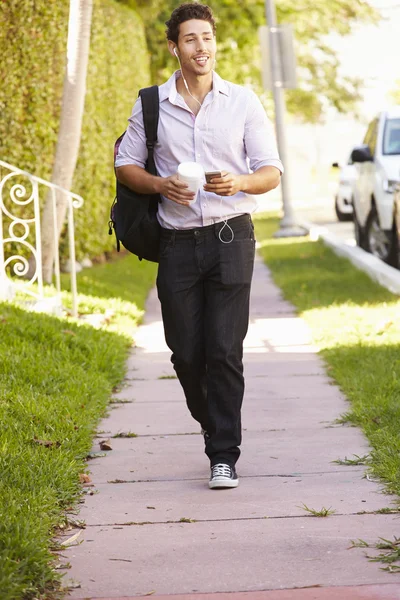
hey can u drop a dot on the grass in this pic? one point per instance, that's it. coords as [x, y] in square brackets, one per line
[355, 323]
[323, 512]
[57, 376]
[350, 462]
[389, 556]
[117, 290]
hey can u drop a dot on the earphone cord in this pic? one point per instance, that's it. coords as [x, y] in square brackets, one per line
[184, 80]
[225, 221]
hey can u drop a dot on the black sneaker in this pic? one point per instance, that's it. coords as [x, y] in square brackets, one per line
[223, 476]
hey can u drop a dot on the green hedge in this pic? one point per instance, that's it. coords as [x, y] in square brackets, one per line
[33, 37]
[33, 40]
[118, 67]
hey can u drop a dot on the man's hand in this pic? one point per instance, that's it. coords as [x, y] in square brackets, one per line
[176, 190]
[226, 185]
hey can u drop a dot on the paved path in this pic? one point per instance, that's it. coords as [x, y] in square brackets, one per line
[154, 528]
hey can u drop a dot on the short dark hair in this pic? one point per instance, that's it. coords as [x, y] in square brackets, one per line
[186, 12]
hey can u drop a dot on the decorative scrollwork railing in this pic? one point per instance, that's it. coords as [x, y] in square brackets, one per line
[20, 257]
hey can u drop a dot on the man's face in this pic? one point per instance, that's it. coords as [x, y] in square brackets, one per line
[196, 46]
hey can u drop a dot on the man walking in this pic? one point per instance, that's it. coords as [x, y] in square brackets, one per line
[207, 240]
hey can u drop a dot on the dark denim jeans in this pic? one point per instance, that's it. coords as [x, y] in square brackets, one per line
[204, 288]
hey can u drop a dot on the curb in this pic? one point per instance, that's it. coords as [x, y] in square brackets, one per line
[384, 274]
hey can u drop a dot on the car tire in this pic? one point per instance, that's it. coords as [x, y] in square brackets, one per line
[341, 215]
[396, 234]
[381, 244]
[359, 232]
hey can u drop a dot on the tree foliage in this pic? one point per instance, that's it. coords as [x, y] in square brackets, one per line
[320, 81]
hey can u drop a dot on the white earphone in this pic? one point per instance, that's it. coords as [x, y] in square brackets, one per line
[225, 221]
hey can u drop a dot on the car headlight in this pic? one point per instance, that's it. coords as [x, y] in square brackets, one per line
[390, 185]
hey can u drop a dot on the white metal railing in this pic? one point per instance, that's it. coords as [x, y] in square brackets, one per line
[18, 194]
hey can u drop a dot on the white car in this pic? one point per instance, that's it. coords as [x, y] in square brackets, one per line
[377, 163]
[344, 194]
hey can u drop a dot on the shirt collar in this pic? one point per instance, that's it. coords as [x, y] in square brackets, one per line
[220, 85]
[168, 89]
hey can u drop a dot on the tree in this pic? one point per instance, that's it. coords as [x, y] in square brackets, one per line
[68, 141]
[320, 82]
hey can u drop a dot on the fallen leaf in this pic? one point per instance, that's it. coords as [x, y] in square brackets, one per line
[74, 586]
[92, 455]
[77, 523]
[84, 478]
[68, 332]
[105, 445]
[59, 566]
[72, 539]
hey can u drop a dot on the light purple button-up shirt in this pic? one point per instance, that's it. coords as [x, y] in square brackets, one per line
[231, 133]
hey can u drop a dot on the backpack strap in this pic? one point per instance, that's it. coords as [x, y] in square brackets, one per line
[151, 110]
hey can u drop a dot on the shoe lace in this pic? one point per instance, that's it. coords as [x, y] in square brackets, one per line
[221, 470]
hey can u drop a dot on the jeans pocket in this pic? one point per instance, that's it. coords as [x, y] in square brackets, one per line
[165, 247]
[237, 261]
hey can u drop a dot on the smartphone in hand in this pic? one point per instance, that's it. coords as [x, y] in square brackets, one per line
[211, 174]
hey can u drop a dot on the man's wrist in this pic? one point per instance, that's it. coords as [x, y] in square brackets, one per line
[157, 184]
[243, 183]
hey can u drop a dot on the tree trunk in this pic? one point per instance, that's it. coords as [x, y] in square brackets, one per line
[69, 135]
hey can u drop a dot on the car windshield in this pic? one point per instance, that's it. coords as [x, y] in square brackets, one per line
[391, 137]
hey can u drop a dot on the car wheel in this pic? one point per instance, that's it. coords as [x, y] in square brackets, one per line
[380, 243]
[396, 235]
[342, 216]
[359, 232]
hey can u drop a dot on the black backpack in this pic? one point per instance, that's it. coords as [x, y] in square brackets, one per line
[133, 216]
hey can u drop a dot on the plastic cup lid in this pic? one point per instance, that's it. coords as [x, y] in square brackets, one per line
[191, 170]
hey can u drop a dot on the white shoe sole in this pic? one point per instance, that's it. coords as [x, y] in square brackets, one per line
[223, 484]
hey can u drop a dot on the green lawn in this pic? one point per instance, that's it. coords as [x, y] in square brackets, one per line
[355, 323]
[56, 378]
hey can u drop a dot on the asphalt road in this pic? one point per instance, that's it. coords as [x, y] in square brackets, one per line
[316, 209]
[322, 213]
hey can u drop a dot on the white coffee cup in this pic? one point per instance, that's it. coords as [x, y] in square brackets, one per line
[193, 174]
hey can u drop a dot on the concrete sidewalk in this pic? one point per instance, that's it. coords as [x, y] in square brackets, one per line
[154, 528]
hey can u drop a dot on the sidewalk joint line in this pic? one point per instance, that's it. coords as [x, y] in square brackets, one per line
[185, 521]
[285, 476]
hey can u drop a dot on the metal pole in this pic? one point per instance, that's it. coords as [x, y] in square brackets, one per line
[288, 226]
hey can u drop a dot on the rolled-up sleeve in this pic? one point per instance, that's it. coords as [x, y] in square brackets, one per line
[133, 150]
[259, 137]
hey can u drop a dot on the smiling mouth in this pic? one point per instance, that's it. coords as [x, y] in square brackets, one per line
[201, 60]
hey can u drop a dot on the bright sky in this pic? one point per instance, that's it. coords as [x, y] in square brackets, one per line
[371, 52]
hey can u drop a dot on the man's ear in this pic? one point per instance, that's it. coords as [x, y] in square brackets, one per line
[173, 49]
